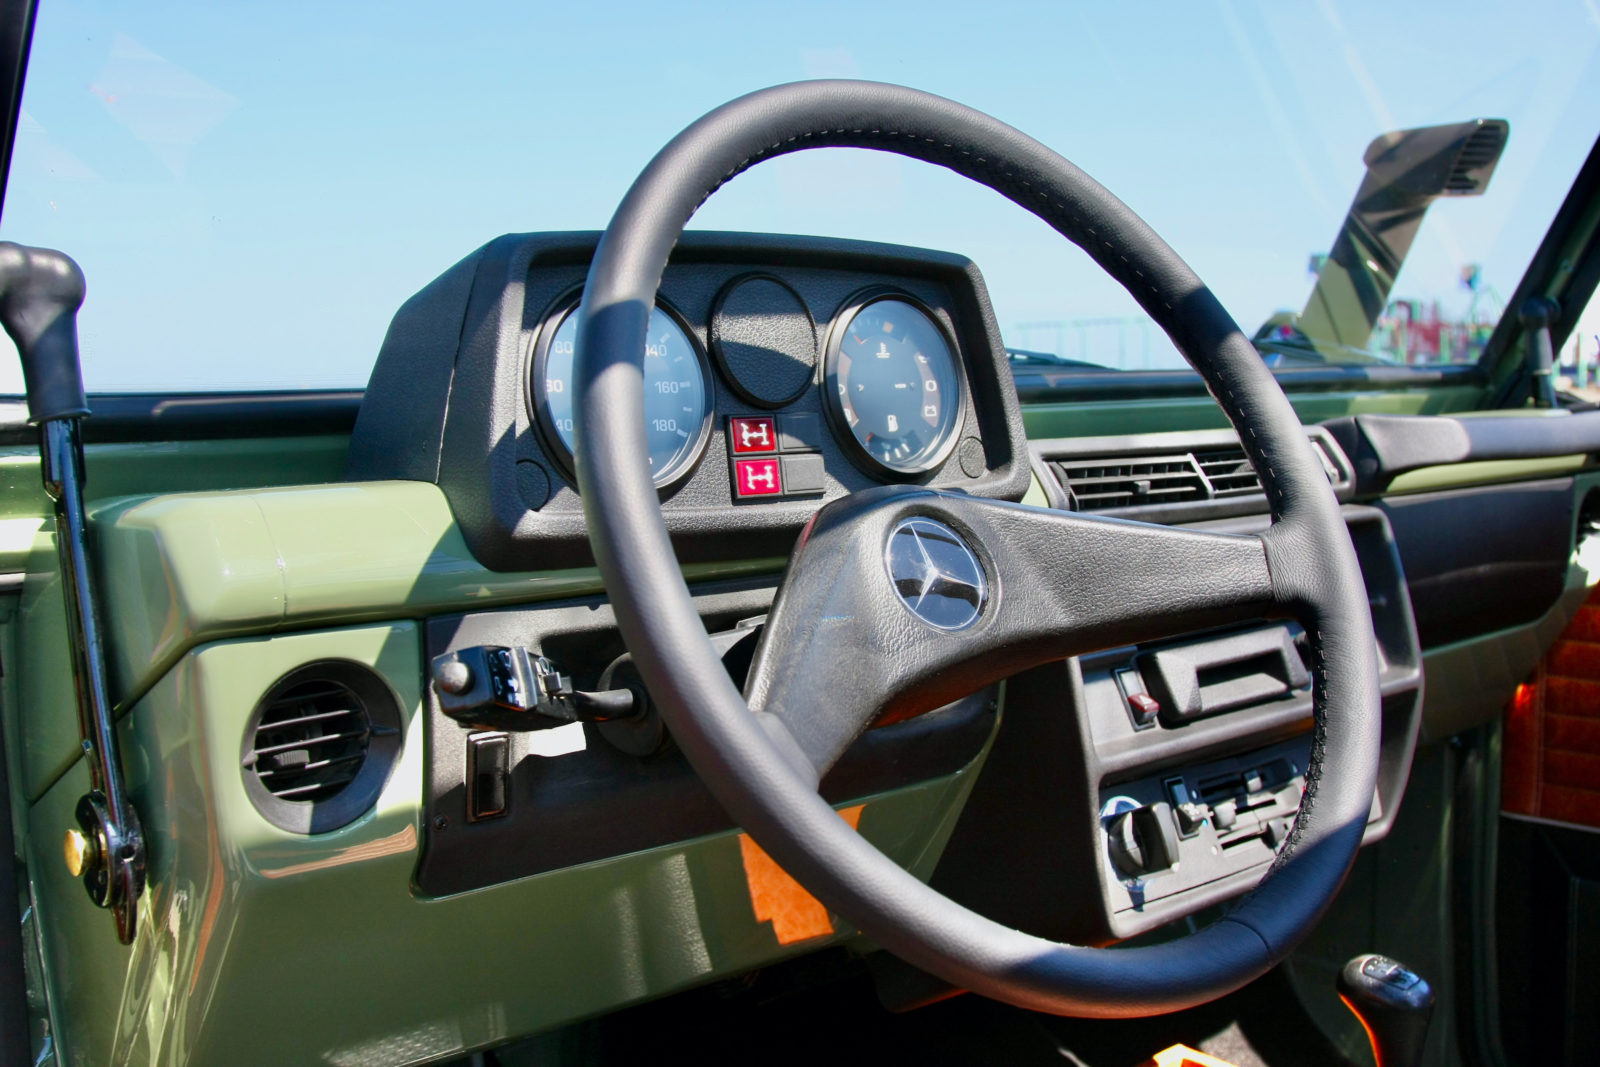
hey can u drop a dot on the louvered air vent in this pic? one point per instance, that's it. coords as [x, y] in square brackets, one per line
[1481, 151]
[1215, 474]
[311, 741]
[320, 746]
[1099, 484]
[1228, 472]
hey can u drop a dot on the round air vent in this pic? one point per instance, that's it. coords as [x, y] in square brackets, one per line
[320, 746]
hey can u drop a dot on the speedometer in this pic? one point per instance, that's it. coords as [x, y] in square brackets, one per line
[893, 384]
[677, 394]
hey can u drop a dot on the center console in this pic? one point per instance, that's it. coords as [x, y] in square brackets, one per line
[1143, 785]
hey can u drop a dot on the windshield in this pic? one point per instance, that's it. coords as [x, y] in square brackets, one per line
[253, 189]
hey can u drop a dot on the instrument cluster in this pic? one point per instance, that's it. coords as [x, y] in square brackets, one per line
[891, 381]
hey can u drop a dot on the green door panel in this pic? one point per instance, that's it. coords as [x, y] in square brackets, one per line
[1470, 682]
[42, 729]
[16, 541]
[260, 946]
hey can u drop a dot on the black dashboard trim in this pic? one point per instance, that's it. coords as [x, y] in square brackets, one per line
[598, 802]
[130, 418]
[446, 401]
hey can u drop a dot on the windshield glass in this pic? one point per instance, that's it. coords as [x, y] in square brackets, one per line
[253, 189]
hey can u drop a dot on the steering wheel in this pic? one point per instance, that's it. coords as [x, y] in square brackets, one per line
[844, 642]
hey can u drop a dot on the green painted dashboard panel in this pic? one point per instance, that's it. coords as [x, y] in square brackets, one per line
[177, 467]
[1096, 418]
[44, 746]
[1486, 472]
[260, 946]
[183, 569]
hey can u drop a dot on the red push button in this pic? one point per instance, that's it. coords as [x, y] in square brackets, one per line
[757, 477]
[756, 433]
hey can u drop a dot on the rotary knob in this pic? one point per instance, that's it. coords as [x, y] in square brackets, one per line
[1143, 840]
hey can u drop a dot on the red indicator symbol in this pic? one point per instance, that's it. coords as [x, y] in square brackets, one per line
[757, 477]
[752, 434]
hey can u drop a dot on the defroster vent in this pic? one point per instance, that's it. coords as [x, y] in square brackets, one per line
[320, 746]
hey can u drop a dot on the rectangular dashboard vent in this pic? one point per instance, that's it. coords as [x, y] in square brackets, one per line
[1202, 477]
[1099, 484]
[1228, 472]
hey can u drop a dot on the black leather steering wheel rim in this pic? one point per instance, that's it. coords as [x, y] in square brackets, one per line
[753, 770]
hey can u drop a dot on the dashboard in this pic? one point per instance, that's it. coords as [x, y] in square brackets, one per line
[781, 373]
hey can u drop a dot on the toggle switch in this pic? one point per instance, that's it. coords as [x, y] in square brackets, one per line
[488, 776]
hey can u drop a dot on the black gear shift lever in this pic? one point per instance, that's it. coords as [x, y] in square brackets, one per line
[1393, 1004]
[40, 293]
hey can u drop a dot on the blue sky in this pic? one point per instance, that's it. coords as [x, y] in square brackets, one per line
[253, 189]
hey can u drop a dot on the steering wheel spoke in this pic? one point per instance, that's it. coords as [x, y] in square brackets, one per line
[900, 601]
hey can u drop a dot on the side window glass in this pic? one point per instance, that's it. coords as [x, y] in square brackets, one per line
[1578, 370]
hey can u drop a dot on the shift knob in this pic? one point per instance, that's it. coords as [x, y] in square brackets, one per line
[1393, 1003]
[40, 293]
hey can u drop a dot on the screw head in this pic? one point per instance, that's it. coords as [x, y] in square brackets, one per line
[79, 851]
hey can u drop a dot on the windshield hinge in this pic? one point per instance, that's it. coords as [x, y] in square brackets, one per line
[1537, 314]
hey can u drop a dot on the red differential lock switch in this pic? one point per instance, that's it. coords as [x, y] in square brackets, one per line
[757, 477]
[747, 436]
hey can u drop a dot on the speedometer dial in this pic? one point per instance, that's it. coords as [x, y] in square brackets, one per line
[677, 395]
[894, 385]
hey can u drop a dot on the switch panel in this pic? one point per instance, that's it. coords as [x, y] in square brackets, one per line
[759, 472]
[1171, 833]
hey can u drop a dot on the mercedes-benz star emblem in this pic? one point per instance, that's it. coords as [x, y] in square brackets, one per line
[936, 574]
